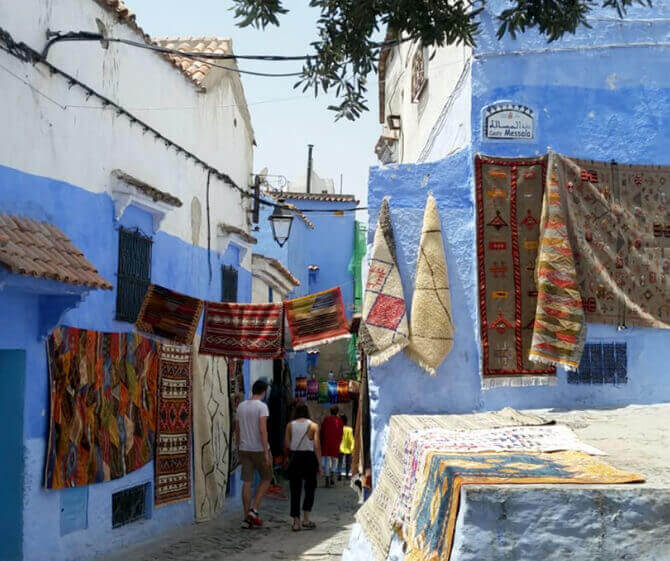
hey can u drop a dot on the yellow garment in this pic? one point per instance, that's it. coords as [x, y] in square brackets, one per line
[347, 445]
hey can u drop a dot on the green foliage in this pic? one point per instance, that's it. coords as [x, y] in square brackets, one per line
[345, 55]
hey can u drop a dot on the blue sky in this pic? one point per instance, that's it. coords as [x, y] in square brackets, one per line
[285, 120]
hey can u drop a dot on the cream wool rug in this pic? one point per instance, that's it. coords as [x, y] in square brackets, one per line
[383, 332]
[431, 325]
[211, 431]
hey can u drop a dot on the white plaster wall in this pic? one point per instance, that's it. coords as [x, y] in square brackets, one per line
[422, 121]
[56, 132]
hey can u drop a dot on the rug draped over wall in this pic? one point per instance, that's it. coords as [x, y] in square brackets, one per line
[211, 435]
[235, 396]
[604, 253]
[172, 466]
[509, 203]
[102, 405]
[168, 314]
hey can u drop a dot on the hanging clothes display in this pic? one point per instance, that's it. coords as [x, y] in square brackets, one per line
[316, 319]
[301, 387]
[431, 325]
[509, 202]
[604, 253]
[332, 391]
[356, 264]
[323, 391]
[235, 397]
[251, 331]
[384, 331]
[312, 390]
[169, 314]
[342, 391]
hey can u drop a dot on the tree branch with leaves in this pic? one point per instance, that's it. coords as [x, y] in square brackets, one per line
[345, 54]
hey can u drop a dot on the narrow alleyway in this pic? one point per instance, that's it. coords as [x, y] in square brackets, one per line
[223, 539]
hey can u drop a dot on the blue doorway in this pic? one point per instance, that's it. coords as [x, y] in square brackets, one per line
[12, 381]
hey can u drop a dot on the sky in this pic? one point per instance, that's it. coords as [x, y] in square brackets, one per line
[285, 120]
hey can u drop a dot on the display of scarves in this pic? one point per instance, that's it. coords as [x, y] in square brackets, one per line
[235, 396]
[102, 415]
[312, 390]
[376, 513]
[603, 253]
[384, 331]
[547, 438]
[172, 465]
[508, 195]
[342, 391]
[432, 523]
[251, 331]
[431, 326]
[169, 314]
[324, 396]
[211, 434]
[332, 391]
[356, 264]
[301, 387]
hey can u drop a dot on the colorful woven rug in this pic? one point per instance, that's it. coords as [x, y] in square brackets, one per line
[324, 395]
[547, 438]
[375, 516]
[301, 387]
[235, 396]
[169, 314]
[312, 390]
[603, 253]
[431, 326]
[433, 519]
[253, 331]
[383, 331]
[509, 203]
[332, 391]
[342, 391]
[172, 465]
[102, 420]
[316, 319]
[211, 434]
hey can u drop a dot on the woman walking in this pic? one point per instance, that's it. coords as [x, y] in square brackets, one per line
[346, 449]
[302, 445]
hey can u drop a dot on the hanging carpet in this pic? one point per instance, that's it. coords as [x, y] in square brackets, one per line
[312, 390]
[236, 396]
[509, 203]
[168, 314]
[316, 319]
[252, 331]
[172, 465]
[431, 325]
[383, 331]
[102, 421]
[604, 253]
[433, 519]
[301, 387]
[211, 435]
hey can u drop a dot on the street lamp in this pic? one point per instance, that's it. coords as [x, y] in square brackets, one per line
[281, 220]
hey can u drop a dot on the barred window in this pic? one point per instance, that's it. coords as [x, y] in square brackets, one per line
[228, 283]
[602, 363]
[130, 505]
[134, 273]
[419, 73]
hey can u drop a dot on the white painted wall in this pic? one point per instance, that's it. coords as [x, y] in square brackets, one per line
[56, 132]
[442, 109]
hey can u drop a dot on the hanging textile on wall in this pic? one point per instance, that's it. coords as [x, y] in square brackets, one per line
[509, 203]
[384, 331]
[168, 314]
[431, 325]
[253, 331]
[211, 435]
[98, 383]
[604, 253]
[316, 319]
[323, 391]
[342, 391]
[236, 396]
[332, 391]
[312, 390]
[301, 387]
[356, 263]
[172, 465]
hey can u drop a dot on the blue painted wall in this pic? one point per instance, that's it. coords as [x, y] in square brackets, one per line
[604, 104]
[87, 218]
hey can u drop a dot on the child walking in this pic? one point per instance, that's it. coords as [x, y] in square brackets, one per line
[346, 449]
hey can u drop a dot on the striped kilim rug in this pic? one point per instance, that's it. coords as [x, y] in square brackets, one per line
[172, 465]
[169, 314]
[316, 319]
[252, 331]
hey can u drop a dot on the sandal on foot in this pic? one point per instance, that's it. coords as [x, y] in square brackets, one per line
[308, 525]
[247, 524]
[295, 528]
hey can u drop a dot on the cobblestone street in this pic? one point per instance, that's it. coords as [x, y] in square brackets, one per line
[223, 539]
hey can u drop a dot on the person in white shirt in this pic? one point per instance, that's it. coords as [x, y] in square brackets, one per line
[251, 429]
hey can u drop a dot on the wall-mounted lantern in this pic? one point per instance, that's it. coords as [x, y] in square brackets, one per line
[281, 220]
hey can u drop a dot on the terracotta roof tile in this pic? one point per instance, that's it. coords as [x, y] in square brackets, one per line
[324, 197]
[146, 189]
[278, 195]
[125, 15]
[229, 229]
[280, 267]
[195, 70]
[40, 249]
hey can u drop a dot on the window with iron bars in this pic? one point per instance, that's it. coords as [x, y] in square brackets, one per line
[602, 363]
[134, 273]
[228, 283]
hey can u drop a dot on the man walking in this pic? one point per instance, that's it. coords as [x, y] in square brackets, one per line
[252, 430]
[331, 438]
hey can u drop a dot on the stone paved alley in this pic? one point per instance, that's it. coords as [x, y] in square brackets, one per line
[223, 539]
